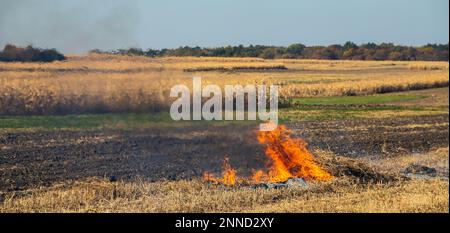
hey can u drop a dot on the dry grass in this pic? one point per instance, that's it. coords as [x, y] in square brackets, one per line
[411, 196]
[438, 159]
[429, 65]
[106, 83]
[123, 62]
[344, 193]
[195, 196]
[367, 84]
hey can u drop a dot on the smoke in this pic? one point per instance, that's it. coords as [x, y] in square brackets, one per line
[69, 26]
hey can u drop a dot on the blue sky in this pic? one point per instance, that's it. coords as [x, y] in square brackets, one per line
[78, 26]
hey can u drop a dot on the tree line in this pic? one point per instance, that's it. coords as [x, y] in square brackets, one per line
[12, 53]
[346, 51]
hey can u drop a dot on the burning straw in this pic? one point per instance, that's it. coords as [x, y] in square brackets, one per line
[289, 158]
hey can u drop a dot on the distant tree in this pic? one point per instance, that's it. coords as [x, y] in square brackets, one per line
[135, 52]
[396, 56]
[12, 53]
[48, 55]
[329, 53]
[369, 46]
[295, 49]
[348, 54]
[268, 53]
[349, 45]
[381, 54]
[152, 52]
[348, 51]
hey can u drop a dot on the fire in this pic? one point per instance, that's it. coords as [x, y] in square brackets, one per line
[228, 174]
[259, 176]
[289, 157]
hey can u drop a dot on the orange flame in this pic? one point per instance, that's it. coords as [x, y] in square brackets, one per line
[289, 157]
[228, 174]
[259, 176]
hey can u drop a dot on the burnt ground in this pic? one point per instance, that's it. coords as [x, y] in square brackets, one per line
[30, 159]
[377, 137]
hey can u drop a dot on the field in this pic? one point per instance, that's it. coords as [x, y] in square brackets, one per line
[93, 134]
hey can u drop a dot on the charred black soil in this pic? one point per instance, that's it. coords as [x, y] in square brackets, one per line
[31, 159]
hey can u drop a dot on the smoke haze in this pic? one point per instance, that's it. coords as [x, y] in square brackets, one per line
[69, 26]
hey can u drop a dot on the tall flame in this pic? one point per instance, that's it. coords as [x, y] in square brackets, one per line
[289, 157]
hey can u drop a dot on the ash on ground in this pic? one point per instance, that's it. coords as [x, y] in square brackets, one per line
[289, 183]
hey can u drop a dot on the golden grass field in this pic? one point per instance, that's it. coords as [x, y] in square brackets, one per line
[106, 83]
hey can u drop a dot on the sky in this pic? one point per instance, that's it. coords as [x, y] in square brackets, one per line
[77, 26]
